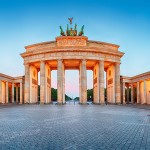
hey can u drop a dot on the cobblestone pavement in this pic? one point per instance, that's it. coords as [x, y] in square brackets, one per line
[70, 127]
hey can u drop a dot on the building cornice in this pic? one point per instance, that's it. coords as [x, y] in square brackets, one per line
[72, 49]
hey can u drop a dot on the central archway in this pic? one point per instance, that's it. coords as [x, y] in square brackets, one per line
[71, 85]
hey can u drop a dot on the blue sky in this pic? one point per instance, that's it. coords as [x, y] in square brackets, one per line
[122, 22]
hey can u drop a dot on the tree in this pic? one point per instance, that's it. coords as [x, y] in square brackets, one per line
[54, 94]
[90, 94]
[76, 98]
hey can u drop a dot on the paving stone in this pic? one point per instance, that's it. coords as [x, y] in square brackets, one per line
[74, 127]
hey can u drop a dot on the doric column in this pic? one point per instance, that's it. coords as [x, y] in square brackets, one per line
[60, 80]
[83, 82]
[80, 84]
[63, 84]
[0, 91]
[138, 92]
[6, 92]
[27, 84]
[17, 93]
[101, 81]
[117, 83]
[42, 82]
[123, 92]
[96, 83]
[47, 84]
[21, 93]
[12, 92]
[127, 93]
[50, 98]
[132, 94]
[145, 95]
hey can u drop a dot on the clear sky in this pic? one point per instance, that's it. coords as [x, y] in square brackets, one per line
[122, 22]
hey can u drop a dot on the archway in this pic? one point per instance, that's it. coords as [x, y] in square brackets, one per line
[72, 85]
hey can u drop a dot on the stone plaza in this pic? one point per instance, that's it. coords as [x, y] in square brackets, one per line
[71, 127]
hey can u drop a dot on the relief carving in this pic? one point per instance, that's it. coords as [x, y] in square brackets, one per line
[71, 41]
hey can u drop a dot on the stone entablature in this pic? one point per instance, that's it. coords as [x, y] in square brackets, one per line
[71, 41]
[70, 44]
[71, 55]
[7, 78]
[74, 48]
[137, 78]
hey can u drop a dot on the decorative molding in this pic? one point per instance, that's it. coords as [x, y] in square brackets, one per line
[71, 41]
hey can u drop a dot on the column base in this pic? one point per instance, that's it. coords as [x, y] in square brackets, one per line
[95, 103]
[48, 103]
[118, 103]
[60, 103]
[2, 103]
[83, 103]
[103, 103]
[42, 103]
[26, 103]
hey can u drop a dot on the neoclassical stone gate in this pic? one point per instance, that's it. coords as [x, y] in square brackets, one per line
[72, 52]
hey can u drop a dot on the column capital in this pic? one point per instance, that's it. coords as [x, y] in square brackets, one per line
[42, 61]
[83, 60]
[101, 63]
[59, 59]
[101, 60]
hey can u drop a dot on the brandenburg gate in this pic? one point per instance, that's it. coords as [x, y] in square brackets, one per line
[72, 51]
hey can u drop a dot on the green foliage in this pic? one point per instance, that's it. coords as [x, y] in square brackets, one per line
[67, 97]
[90, 94]
[54, 94]
[76, 98]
